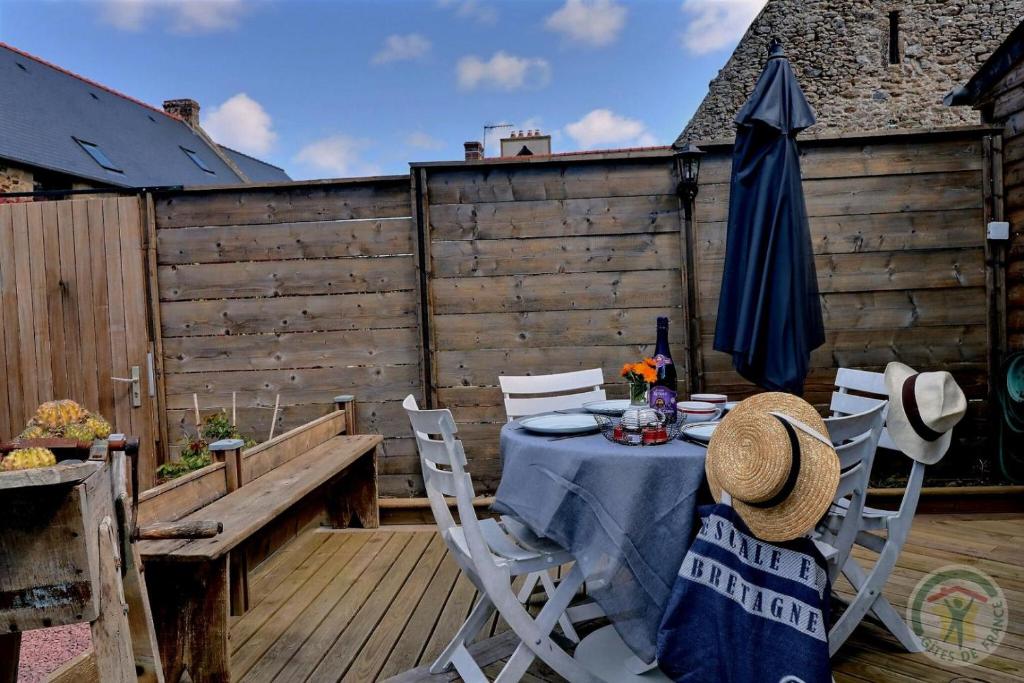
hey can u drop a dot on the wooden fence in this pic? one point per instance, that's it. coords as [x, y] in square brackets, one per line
[73, 314]
[544, 267]
[302, 291]
[437, 283]
[898, 234]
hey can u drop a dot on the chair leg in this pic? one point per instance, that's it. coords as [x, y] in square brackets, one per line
[879, 607]
[482, 611]
[534, 635]
[563, 621]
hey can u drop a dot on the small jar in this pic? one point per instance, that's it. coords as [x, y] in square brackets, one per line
[618, 432]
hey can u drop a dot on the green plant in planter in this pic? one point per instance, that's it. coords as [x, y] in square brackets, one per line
[195, 453]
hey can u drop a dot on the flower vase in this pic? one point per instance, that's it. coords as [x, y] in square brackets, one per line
[639, 414]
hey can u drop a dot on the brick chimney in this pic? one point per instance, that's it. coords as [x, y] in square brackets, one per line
[187, 109]
[474, 150]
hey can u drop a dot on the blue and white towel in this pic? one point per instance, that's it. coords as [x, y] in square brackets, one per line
[746, 610]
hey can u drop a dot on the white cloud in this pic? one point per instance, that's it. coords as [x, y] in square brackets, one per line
[605, 128]
[241, 123]
[398, 48]
[338, 155]
[503, 71]
[423, 140]
[591, 22]
[180, 16]
[717, 24]
[479, 12]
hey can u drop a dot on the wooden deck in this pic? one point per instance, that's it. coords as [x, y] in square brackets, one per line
[369, 605]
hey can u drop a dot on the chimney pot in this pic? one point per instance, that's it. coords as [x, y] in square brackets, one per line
[185, 108]
[474, 150]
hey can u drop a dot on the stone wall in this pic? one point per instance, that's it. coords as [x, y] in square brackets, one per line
[840, 52]
[14, 179]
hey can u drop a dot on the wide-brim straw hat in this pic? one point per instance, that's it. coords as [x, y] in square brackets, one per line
[923, 409]
[752, 456]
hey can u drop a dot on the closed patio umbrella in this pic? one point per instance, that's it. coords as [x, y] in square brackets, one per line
[769, 315]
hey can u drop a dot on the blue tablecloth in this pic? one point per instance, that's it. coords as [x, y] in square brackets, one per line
[625, 513]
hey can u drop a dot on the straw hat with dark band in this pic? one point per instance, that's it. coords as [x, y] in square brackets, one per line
[772, 455]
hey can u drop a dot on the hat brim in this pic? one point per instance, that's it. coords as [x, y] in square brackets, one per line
[900, 429]
[816, 483]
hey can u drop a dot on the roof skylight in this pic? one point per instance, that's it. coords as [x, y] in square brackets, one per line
[98, 155]
[198, 160]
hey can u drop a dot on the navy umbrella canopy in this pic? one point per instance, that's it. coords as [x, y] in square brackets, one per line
[769, 313]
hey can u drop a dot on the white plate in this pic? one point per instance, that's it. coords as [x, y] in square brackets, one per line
[615, 407]
[701, 431]
[573, 423]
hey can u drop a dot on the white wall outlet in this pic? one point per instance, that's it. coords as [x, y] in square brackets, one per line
[999, 230]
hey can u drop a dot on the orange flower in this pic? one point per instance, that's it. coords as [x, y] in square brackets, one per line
[648, 373]
[626, 369]
[651, 362]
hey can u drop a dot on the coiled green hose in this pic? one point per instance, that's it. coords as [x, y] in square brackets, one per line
[1010, 390]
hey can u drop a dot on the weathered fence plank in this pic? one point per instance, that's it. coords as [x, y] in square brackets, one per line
[290, 293]
[72, 294]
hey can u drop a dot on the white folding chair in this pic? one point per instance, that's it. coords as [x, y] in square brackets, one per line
[895, 524]
[523, 394]
[856, 440]
[491, 554]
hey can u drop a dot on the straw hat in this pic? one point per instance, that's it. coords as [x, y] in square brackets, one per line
[772, 455]
[923, 409]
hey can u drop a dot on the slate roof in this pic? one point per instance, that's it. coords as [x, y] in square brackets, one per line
[44, 109]
[258, 171]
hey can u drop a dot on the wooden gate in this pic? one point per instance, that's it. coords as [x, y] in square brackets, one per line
[74, 319]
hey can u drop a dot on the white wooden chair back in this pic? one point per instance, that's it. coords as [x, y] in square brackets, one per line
[442, 459]
[864, 382]
[570, 390]
[856, 455]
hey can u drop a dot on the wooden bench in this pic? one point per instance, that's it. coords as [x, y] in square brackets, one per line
[264, 496]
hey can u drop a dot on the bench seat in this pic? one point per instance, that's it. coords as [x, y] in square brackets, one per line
[245, 511]
[262, 497]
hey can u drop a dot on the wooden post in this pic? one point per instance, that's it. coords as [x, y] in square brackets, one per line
[111, 632]
[229, 451]
[199, 419]
[155, 323]
[424, 299]
[10, 645]
[347, 402]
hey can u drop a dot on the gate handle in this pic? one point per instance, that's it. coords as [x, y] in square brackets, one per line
[136, 385]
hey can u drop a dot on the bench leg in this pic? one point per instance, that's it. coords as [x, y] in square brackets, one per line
[354, 497]
[190, 614]
[111, 632]
[239, 566]
[10, 646]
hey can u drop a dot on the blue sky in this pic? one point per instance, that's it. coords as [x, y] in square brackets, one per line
[358, 87]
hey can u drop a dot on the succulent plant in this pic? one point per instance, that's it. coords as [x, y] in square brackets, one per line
[28, 458]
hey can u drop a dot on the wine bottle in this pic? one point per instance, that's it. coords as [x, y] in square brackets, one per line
[662, 394]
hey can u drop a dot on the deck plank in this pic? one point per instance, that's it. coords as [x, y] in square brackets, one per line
[271, 572]
[335, 552]
[371, 658]
[289, 632]
[460, 602]
[339, 657]
[372, 605]
[413, 641]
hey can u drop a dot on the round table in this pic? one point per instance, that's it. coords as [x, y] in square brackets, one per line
[625, 513]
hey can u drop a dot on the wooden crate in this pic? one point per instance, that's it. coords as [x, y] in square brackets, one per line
[48, 559]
